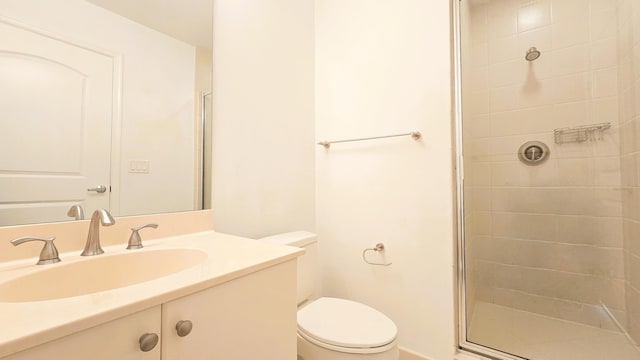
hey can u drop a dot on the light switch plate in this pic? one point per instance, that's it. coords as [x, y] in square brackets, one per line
[139, 166]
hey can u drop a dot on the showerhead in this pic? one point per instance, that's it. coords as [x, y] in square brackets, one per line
[532, 54]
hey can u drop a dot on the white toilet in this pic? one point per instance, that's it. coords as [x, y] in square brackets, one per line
[332, 328]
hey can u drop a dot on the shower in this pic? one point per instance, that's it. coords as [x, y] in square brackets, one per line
[532, 54]
[546, 188]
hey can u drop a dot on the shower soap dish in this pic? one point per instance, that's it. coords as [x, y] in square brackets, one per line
[580, 133]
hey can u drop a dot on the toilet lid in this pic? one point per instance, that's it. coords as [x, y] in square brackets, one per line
[346, 323]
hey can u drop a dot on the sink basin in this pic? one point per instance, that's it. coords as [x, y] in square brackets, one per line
[99, 273]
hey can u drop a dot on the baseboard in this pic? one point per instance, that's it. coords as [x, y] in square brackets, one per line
[406, 354]
[463, 355]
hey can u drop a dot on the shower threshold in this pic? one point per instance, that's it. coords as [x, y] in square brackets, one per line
[539, 337]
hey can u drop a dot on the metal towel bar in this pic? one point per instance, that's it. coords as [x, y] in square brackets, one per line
[415, 135]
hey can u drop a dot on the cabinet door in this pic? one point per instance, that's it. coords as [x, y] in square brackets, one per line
[118, 339]
[252, 317]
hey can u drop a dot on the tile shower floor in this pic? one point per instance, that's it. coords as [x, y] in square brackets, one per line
[540, 337]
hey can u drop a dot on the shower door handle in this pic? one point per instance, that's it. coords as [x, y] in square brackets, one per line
[100, 189]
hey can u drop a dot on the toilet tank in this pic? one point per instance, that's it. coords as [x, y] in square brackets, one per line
[307, 267]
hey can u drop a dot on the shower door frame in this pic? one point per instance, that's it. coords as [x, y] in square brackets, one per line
[463, 344]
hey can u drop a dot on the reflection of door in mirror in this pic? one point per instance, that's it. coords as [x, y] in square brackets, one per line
[56, 101]
[160, 65]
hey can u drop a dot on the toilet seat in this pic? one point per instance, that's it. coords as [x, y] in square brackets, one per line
[346, 326]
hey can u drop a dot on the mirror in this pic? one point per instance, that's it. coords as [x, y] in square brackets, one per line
[104, 104]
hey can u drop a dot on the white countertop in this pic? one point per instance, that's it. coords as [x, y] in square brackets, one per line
[27, 324]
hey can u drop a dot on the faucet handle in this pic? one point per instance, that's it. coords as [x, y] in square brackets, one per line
[49, 253]
[135, 242]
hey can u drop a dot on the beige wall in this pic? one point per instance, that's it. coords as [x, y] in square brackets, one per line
[547, 238]
[629, 85]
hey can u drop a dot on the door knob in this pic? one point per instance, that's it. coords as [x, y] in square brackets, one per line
[100, 189]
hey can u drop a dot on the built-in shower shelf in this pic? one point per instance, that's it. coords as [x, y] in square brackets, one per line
[582, 133]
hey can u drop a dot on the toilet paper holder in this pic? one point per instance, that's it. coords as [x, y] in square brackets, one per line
[379, 248]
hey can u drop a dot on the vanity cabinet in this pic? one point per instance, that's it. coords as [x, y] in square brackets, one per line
[249, 317]
[252, 317]
[117, 339]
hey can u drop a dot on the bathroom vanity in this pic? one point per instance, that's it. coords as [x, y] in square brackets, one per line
[216, 297]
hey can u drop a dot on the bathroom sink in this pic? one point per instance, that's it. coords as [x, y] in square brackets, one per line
[98, 273]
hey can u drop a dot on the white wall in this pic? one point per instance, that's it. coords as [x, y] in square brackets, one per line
[381, 67]
[157, 98]
[384, 67]
[263, 172]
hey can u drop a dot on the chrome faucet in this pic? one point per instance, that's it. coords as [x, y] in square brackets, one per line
[76, 212]
[92, 247]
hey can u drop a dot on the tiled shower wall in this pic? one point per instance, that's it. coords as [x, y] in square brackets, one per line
[629, 85]
[547, 238]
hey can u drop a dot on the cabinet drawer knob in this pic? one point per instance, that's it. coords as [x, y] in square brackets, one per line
[148, 341]
[183, 327]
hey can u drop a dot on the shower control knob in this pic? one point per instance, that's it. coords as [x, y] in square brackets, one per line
[533, 153]
[183, 327]
[148, 341]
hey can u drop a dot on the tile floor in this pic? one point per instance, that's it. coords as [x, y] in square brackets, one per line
[540, 337]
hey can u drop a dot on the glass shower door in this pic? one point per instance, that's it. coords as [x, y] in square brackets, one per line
[551, 193]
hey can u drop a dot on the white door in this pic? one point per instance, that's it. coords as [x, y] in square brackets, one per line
[56, 103]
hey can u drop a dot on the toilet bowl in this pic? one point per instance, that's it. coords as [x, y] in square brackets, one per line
[333, 328]
[340, 329]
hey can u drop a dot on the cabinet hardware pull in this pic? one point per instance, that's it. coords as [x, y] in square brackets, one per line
[148, 341]
[183, 327]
